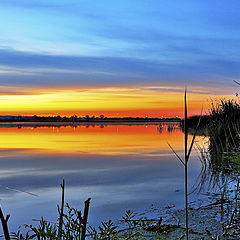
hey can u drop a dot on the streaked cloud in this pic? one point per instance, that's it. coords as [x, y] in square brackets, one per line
[5, 70]
[24, 68]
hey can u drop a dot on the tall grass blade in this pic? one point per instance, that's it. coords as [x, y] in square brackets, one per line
[61, 213]
[194, 136]
[236, 82]
[85, 217]
[186, 162]
[4, 225]
[176, 154]
[185, 124]
[17, 190]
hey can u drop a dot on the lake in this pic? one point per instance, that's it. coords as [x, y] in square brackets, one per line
[119, 167]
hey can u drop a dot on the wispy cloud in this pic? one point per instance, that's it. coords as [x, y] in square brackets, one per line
[21, 68]
[6, 70]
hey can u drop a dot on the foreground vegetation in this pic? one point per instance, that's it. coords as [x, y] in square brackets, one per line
[222, 129]
[222, 222]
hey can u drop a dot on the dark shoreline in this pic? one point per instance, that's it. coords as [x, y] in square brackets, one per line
[83, 123]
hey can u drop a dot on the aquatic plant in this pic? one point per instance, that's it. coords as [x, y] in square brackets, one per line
[220, 160]
[187, 152]
[4, 224]
[70, 226]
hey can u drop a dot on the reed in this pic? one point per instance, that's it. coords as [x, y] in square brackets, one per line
[187, 152]
[85, 217]
[4, 224]
[70, 226]
[221, 158]
[61, 213]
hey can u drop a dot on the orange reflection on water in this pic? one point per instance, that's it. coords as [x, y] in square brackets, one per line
[101, 140]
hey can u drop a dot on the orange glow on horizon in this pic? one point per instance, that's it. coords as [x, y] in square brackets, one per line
[110, 101]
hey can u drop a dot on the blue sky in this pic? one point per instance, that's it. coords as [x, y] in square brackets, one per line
[109, 42]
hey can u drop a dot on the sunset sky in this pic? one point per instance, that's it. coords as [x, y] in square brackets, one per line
[119, 58]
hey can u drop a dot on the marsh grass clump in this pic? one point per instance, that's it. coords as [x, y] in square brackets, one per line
[70, 225]
[223, 125]
[72, 228]
[223, 130]
[221, 158]
[228, 109]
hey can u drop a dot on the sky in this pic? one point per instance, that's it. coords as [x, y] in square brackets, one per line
[119, 58]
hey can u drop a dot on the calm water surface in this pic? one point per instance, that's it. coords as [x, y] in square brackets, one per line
[118, 166]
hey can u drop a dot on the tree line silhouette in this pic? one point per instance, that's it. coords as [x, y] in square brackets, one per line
[86, 118]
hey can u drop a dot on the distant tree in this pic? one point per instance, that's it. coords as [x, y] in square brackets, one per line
[87, 117]
[102, 116]
[74, 117]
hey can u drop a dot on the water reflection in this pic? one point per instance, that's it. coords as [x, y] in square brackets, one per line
[118, 166]
[110, 140]
[220, 157]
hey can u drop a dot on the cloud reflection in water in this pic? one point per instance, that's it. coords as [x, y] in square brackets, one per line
[119, 167]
